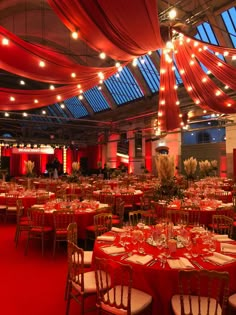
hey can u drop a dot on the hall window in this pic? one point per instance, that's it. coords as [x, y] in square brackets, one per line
[123, 144]
[138, 144]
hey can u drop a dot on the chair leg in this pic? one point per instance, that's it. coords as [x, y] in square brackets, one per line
[68, 299]
[27, 243]
[67, 287]
[54, 245]
[82, 305]
[42, 244]
[17, 235]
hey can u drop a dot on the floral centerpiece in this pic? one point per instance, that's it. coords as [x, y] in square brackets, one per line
[29, 165]
[73, 178]
[75, 167]
[205, 168]
[168, 189]
[214, 166]
[190, 167]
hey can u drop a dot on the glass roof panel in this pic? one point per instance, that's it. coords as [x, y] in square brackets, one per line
[123, 87]
[96, 100]
[53, 113]
[149, 72]
[62, 112]
[206, 34]
[229, 18]
[75, 106]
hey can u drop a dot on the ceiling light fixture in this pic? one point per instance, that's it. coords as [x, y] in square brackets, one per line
[75, 34]
[102, 55]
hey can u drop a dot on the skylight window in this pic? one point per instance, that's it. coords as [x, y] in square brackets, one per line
[123, 87]
[96, 100]
[149, 72]
[75, 106]
[229, 18]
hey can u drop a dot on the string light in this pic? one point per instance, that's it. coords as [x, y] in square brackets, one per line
[102, 55]
[41, 64]
[5, 42]
[75, 34]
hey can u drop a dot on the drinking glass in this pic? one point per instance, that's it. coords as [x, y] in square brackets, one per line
[212, 246]
[195, 250]
[141, 241]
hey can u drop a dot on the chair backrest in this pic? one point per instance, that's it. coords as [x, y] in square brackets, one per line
[70, 197]
[136, 216]
[72, 233]
[160, 208]
[120, 210]
[42, 198]
[222, 224]
[102, 223]
[146, 200]
[193, 214]
[128, 198]
[19, 210]
[234, 202]
[203, 283]
[11, 199]
[119, 297]
[36, 218]
[178, 216]
[62, 218]
[76, 265]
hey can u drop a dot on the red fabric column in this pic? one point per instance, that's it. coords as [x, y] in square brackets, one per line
[148, 155]
[234, 164]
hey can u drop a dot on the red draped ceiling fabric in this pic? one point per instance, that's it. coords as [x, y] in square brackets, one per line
[123, 30]
[111, 26]
[201, 88]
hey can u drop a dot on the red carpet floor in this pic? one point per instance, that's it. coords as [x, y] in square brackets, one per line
[32, 284]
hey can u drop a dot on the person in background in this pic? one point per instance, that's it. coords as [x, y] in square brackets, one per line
[105, 171]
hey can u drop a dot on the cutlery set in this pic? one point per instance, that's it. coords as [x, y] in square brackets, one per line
[197, 264]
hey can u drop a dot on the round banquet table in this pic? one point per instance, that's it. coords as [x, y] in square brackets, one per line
[162, 283]
[206, 213]
[28, 199]
[84, 213]
[117, 194]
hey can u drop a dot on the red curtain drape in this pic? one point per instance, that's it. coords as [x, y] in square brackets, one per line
[123, 29]
[200, 87]
[168, 110]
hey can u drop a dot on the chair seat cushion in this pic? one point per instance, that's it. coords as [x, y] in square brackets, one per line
[89, 282]
[115, 216]
[90, 228]
[232, 300]
[115, 222]
[139, 300]
[11, 208]
[24, 223]
[41, 229]
[2, 207]
[88, 255]
[24, 219]
[61, 232]
[175, 302]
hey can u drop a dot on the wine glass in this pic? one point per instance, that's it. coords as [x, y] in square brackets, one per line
[188, 245]
[134, 240]
[212, 246]
[141, 239]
